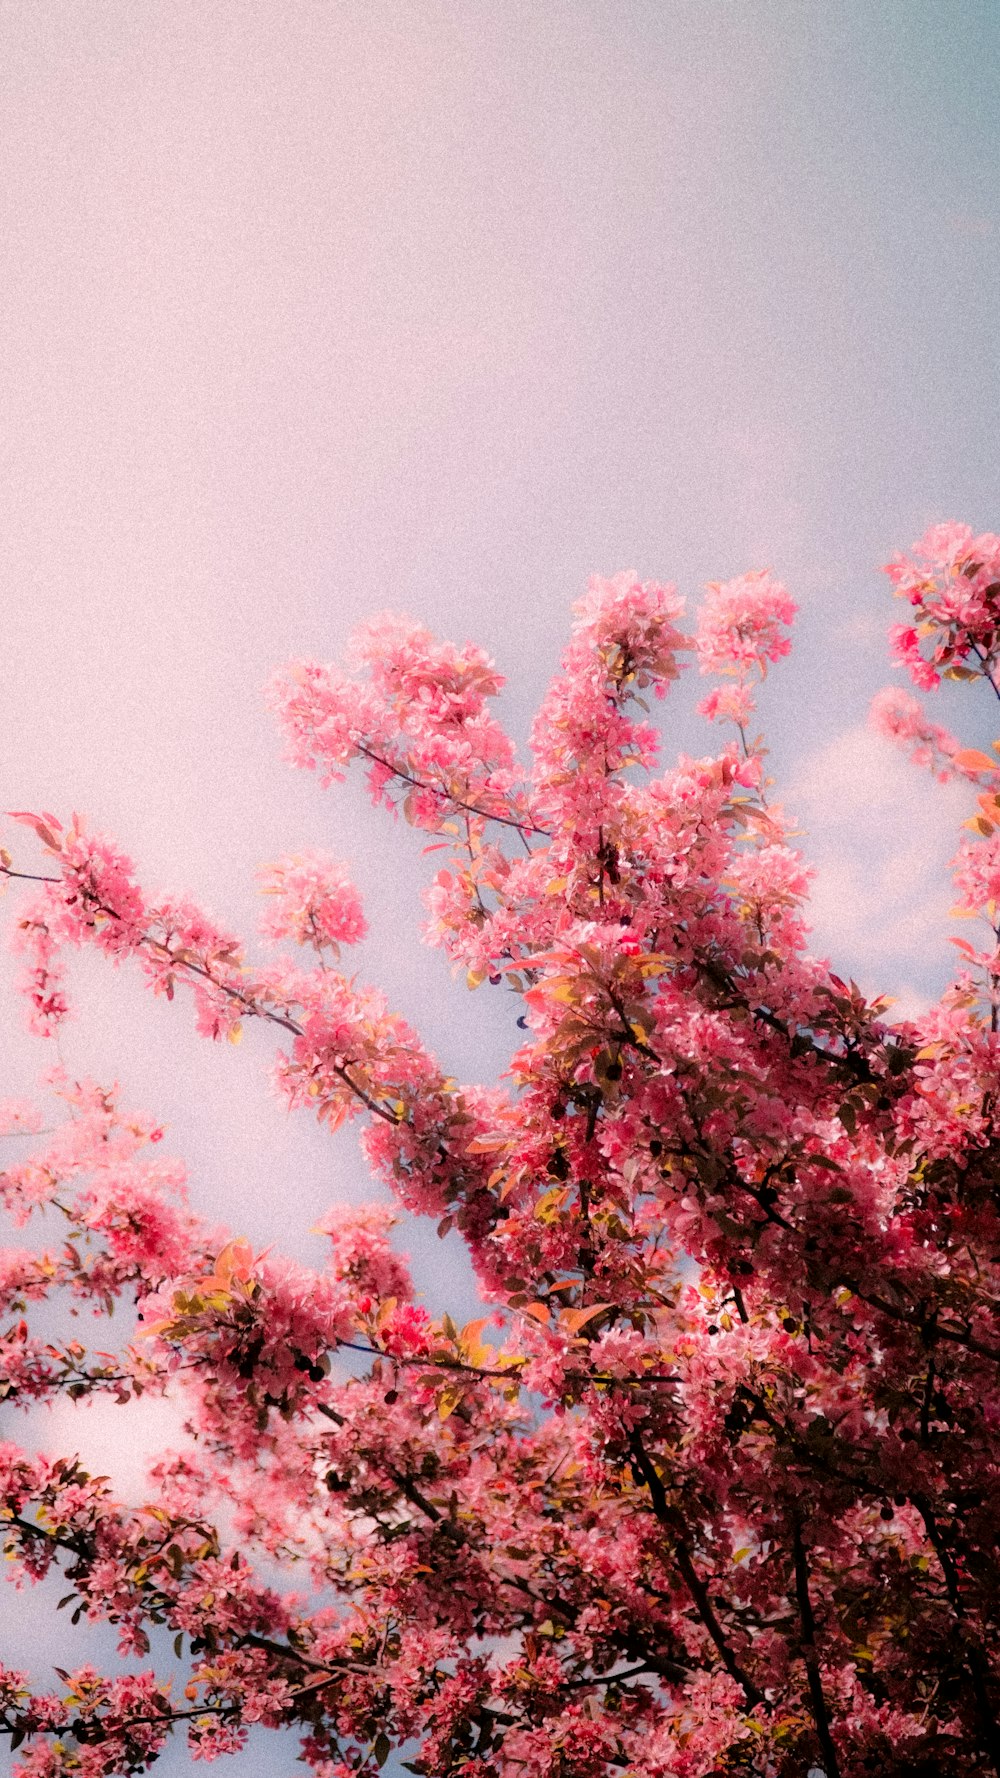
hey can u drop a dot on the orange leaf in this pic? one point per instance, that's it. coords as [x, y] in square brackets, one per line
[575, 1319]
[448, 1401]
[971, 760]
[332, 1113]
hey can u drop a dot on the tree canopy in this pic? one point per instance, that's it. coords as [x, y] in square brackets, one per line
[710, 1487]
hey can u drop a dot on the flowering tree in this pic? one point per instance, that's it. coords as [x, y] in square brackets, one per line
[712, 1486]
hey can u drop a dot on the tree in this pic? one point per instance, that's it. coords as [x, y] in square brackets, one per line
[712, 1486]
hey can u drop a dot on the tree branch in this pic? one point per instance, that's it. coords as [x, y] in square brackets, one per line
[810, 1655]
[671, 1521]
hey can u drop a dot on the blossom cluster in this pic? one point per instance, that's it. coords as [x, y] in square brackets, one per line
[952, 580]
[315, 903]
[741, 630]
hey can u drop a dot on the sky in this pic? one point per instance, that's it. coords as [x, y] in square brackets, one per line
[313, 308]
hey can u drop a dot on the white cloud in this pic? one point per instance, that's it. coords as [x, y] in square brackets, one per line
[879, 833]
[908, 1003]
[117, 1441]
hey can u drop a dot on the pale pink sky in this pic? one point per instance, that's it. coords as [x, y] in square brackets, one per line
[311, 307]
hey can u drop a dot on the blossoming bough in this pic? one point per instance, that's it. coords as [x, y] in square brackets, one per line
[739, 1235]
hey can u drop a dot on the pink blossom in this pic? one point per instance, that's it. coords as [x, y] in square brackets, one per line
[976, 869]
[741, 623]
[728, 703]
[314, 904]
[360, 1250]
[952, 579]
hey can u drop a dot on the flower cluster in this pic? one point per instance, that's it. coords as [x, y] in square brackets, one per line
[625, 641]
[741, 624]
[420, 720]
[741, 629]
[952, 580]
[315, 903]
[361, 1253]
[897, 715]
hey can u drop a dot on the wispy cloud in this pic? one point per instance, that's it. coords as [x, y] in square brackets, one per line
[111, 1440]
[880, 835]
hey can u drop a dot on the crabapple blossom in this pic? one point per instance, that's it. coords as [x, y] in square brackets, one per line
[741, 628]
[742, 623]
[709, 1489]
[315, 903]
[952, 580]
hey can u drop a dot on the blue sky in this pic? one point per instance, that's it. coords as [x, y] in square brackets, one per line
[314, 309]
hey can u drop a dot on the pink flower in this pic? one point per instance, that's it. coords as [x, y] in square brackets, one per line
[315, 903]
[741, 624]
[976, 870]
[952, 579]
[728, 703]
[360, 1251]
[905, 645]
[897, 715]
[625, 642]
